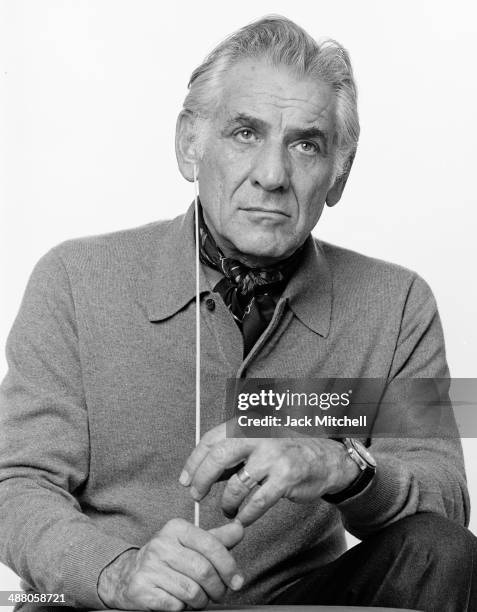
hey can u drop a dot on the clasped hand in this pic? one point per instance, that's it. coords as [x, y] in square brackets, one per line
[298, 469]
[180, 566]
[184, 565]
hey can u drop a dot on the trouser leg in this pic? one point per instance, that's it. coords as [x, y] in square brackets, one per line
[423, 562]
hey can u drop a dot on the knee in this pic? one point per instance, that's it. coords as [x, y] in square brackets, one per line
[434, 538]
[423, 562]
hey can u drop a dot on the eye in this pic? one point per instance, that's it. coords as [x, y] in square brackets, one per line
[309, 148]
[244, 135]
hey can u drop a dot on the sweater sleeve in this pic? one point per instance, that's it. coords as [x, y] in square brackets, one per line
[44, 448]
[415, 474]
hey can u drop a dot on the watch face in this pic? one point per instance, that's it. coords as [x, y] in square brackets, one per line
[361, 449]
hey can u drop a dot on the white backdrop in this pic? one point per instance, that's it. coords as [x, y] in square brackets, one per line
[90, 90]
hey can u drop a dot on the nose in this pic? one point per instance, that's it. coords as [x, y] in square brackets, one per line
[270, 168]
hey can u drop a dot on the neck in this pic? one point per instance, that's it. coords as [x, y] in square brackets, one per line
[249, 260]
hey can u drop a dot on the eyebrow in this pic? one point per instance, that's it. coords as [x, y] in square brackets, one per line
[308, 133]
[294, 133]
[248, 119]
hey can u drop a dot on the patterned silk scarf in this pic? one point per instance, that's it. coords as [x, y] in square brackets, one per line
[250, 294]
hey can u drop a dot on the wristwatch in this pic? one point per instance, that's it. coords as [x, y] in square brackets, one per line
[367, 465]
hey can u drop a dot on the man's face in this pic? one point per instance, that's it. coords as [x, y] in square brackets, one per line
[267, 161]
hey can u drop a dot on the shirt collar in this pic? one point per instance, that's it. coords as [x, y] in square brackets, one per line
[172, 282]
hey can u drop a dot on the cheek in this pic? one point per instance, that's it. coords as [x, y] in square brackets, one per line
[214, 175]
[222, 175]
[309, 218]
[311, 194]
[311, 206]
[213, 192]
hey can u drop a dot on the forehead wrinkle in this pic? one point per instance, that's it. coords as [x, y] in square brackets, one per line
[318, 103]
[277, 107]
[286, 98]
[282, 102]
[248, 102]
[256, 77]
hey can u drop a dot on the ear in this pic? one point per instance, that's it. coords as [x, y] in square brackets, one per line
[336, 190]
[186, 144]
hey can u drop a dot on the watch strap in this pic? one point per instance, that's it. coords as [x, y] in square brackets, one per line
[359, 484]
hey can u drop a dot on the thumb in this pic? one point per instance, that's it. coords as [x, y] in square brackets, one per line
[229, 534]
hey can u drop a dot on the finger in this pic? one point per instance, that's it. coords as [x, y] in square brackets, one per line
[160, 600]
[217, 555]
[199, 569]
[263, 498]
[226, 474]
[233, 496]
[230, 534]
[208, 440]
[223, 455]
[193, 461]
[143, 594]
[183, 588]
[172, 547]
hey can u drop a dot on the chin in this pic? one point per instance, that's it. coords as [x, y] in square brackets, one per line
[263, 252]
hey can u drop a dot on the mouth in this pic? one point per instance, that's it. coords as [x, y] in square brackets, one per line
[261, 210]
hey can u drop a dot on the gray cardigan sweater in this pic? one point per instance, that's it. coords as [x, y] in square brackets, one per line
[97, 409]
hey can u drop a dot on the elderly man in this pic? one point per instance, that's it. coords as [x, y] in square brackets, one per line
[98, 405]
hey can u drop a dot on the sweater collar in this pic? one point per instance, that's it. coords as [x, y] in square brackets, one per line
[310, 290]
[172, 282]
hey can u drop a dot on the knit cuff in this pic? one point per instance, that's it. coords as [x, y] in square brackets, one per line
[82, 564]
[379, 501]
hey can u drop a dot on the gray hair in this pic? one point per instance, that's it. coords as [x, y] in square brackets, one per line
[283, 43]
